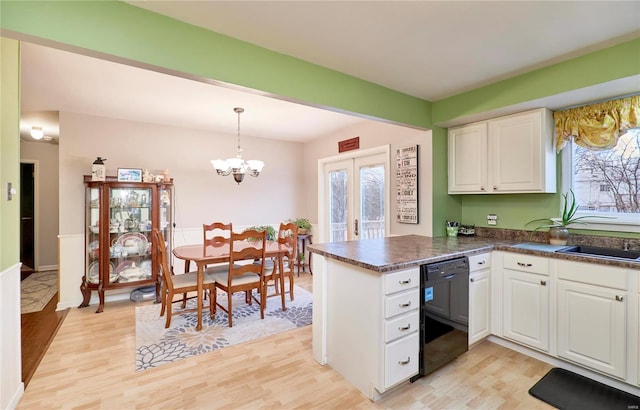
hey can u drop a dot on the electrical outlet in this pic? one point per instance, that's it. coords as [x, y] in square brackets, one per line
[11, 191]
[492, 219]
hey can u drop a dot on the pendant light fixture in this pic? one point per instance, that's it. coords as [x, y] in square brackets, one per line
[237, 166]
[37, 133]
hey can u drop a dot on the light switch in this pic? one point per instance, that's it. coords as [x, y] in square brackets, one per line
[11, 191]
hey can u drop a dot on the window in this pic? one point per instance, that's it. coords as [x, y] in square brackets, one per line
[607, 182]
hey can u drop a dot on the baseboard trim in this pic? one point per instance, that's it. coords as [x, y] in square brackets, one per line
[46, 268]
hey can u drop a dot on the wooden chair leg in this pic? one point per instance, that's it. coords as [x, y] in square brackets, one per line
[214, 301]
[169, 309]
[229, 309]
[163, 300]
[291, 284]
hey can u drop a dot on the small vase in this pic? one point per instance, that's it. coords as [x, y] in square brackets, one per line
[558, 235]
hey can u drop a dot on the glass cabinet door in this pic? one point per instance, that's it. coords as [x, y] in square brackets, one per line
[130, 223]
[165, 213]
[92, 237]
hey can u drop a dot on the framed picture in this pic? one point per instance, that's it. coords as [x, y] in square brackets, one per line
[130, 174]
[407, 195]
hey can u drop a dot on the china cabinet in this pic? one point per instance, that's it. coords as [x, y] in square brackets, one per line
[119, 217]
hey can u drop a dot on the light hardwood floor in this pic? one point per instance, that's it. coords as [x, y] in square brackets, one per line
[90, 365]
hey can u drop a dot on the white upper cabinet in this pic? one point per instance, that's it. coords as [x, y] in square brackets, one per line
[511, 154]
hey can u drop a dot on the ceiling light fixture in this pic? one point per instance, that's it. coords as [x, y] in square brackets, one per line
[37, 133]
[237, 166]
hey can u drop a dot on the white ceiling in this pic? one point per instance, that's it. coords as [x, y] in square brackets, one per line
[428, 49]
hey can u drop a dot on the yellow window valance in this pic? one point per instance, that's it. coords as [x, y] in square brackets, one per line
[597, 126]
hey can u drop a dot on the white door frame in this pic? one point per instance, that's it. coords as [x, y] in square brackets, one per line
[321, 236]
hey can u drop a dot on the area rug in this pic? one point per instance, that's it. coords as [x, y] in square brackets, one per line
[567, 390]
[156, 345]
[37, 290]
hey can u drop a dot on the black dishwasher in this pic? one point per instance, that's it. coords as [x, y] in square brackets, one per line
[444, 313]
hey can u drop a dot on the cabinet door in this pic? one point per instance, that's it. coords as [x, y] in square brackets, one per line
[592, 326]
[468, 159]
[526, 309]
[479, 306]
[401, 359]
[516, 153]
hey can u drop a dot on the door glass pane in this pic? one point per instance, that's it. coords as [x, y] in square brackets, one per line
[338, 205]
[372, 202]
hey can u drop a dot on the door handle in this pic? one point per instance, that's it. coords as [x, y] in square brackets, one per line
[619, 298]
[356, 226]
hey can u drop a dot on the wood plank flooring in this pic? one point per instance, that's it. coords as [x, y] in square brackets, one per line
[38, 330]
[90, 364]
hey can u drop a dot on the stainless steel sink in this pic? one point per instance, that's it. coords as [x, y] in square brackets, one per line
[598, 251]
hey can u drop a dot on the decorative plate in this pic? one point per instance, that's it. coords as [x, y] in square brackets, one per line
[131, 239]
[93, 249]
[93, 274]
[145, 267]
[122, 266]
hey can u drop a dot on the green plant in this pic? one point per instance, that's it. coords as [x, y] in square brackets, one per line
[569, 209]
[303, 223]
[271, 232]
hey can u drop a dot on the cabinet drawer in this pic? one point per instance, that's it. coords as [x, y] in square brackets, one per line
[404, 302]
[601, 275]
[478, 262]
[526, 263]
[401, 326]
[402, 280]
[401, 359]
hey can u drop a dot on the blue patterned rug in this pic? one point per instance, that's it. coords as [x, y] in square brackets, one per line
[156, 345]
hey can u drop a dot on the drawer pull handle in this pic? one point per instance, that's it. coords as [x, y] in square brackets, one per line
[543, 282]
[527, 265]
[619, 298]
[404, 328]
[471, 279]
[404, 305]
[405, 282]
[405, 362]
[482, 262]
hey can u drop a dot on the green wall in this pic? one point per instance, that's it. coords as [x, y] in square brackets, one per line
[514, 210]
[119, 31]
[9, 151]
[595, 68]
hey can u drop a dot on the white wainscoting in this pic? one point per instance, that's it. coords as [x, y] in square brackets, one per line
[11, 386]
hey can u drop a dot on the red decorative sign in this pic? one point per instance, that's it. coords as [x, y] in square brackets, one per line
[349, 145]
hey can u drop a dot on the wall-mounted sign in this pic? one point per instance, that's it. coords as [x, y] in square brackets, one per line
[349, 145]
[407, 184]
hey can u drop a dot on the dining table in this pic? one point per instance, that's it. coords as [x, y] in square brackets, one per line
[203, 255]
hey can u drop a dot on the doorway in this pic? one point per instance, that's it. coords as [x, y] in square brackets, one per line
[27, 218]
[356, 195]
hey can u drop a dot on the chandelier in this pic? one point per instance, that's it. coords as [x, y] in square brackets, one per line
[237, 166]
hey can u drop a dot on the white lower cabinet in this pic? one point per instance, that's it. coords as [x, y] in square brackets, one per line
[526, 308]
[592, 324]
[479, 297]
[373, 324]
[592, 316]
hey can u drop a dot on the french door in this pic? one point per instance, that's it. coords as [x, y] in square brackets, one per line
[356, 196]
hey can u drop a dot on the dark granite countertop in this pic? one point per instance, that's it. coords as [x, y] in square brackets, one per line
[401, 252]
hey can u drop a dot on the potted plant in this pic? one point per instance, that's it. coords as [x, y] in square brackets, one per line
[271, 231]
[558, 230]
[304, 226]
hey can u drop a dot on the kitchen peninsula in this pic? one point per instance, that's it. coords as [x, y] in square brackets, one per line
[367, 296]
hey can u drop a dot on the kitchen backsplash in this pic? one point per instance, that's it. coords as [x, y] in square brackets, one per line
[542, 237]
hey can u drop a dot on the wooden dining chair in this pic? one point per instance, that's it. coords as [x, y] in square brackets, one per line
[221, 234]
[287, 235]
[248, 246]
[173, 284]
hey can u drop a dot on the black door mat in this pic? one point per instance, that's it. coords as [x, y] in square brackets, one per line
[568, 391]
